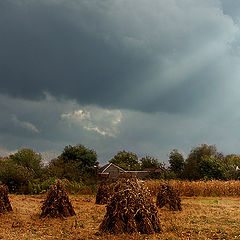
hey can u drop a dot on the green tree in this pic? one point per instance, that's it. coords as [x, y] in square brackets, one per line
[230, 163]
[83, 159]
[15, 176]
[191, 169]
[176, 161]
[211, 167]
[126, 160]
[79, 153]
[60, 169]
[28, 159]
[148, 162]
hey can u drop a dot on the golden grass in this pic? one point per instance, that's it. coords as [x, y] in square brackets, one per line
[201, 218]
[200, 188]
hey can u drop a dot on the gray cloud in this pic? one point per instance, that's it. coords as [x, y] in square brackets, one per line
[103, 121]
[26, 125]
[143, 133]
[231, 8]
[59, 123]
[132, 55]
[70, 69]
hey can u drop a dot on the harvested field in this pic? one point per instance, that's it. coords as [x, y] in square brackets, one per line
[201, 218]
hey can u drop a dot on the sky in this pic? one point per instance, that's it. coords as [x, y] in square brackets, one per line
[145, 76]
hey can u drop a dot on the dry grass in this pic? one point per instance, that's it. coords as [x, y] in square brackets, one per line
[213, 188]
[201, 218]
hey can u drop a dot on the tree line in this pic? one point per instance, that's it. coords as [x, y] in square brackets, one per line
[24, 171]
[204, 162]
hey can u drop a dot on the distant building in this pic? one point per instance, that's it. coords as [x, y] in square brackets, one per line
[112, 171]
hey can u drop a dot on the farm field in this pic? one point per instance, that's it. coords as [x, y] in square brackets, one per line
[201, 218]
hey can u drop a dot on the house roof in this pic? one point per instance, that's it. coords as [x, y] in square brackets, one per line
[105, 167]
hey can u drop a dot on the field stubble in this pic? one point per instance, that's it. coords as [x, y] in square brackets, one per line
[201, 218]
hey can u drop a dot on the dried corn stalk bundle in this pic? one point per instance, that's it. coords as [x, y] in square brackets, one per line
[5, 205]
[130, 209]
[169, 197]
[105, 191]
[57, 203]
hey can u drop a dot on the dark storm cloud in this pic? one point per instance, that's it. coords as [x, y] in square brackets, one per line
[44, 50]
[48, 125]
[33, 121]
[143, 75]
[231, 8]
[63, 122]
[125, 54]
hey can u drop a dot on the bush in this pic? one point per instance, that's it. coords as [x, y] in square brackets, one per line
[38, 187]
[14, 176]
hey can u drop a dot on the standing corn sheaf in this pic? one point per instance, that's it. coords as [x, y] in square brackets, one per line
[168, 196]
[105, 191]
[57, 203]
[5, 205]
[130, 209]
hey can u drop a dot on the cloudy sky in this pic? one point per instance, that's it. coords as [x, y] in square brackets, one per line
[142, 75]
